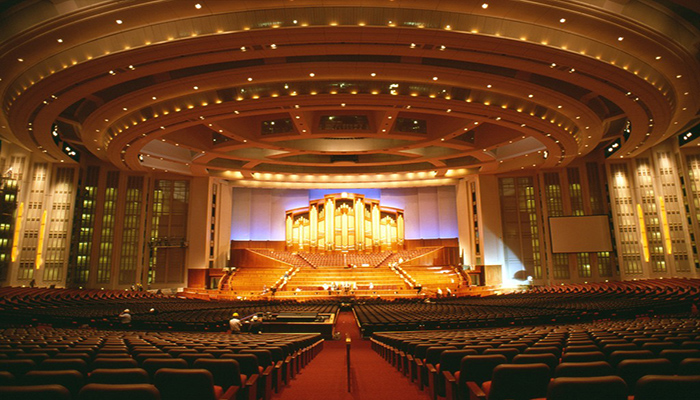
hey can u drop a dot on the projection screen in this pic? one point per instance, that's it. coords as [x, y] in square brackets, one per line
[586, 234]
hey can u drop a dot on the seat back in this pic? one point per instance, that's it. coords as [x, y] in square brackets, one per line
[184, 384]
[619, 355]
[479, 368]
[7, 379]
[152, 365]
[37, 392]
[119, 376]
[225, 372]
[584, 356]
[248, 363]
[264, 356]
[134, 391]
[113, 363]
[450, 360]
[678, 355]
[508, 352]
[583, 369]
[54, 364]
[654, 387]
[432, 356]
[545, 358]
[586, 388]
[519, 381]
[70, 379]
[543, 349]
[689, 366]
[17, 367]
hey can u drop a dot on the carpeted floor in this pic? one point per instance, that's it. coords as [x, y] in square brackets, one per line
[325, 378]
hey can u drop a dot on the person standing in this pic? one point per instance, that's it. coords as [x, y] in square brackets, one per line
[125, 318]
[235, 324]
[256, 325]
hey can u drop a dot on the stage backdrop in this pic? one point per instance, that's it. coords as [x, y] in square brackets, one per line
[258, 214]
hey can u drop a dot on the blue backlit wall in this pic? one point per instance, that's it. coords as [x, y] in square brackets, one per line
[258, 214]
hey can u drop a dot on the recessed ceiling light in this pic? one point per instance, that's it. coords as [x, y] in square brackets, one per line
[273, 46]
[562, 20]
[435, 78]
[485, 6]
[373, 74]
[198, 6]
[621, 38]
[154, 97]
[658, 57]
[20, 59]
[312, 74]
[59, 40]
[195, 87]
[679, 76]
[119, 22]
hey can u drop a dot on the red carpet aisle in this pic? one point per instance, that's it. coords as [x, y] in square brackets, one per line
[325, 378]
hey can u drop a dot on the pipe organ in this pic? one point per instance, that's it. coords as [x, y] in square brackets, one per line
[344, 222]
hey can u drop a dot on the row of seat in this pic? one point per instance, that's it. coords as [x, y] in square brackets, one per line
[256, 364]
[456, 364]
[649, 297]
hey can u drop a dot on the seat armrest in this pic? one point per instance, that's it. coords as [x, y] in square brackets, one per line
[251, 386]
[432, 381]
[475, 392]
[230, 393]
[451, 388]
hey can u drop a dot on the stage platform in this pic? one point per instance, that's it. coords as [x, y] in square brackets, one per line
[230, 295]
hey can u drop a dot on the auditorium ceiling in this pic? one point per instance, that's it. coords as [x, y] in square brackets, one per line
[346, 93]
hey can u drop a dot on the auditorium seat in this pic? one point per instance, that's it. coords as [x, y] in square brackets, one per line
[587, 388]
[178, 384]
[133, 391]
[447, 368]
[7, 379]
[678, 355]
[514, 381]
[689, 366]
[616, 356]
[476, 369]
[656, 387]
[255, 380]
[632, 370]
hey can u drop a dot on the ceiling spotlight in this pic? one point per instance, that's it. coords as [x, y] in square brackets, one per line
[119, 22]
[485, 6]
[198, 6]
[562, 20]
